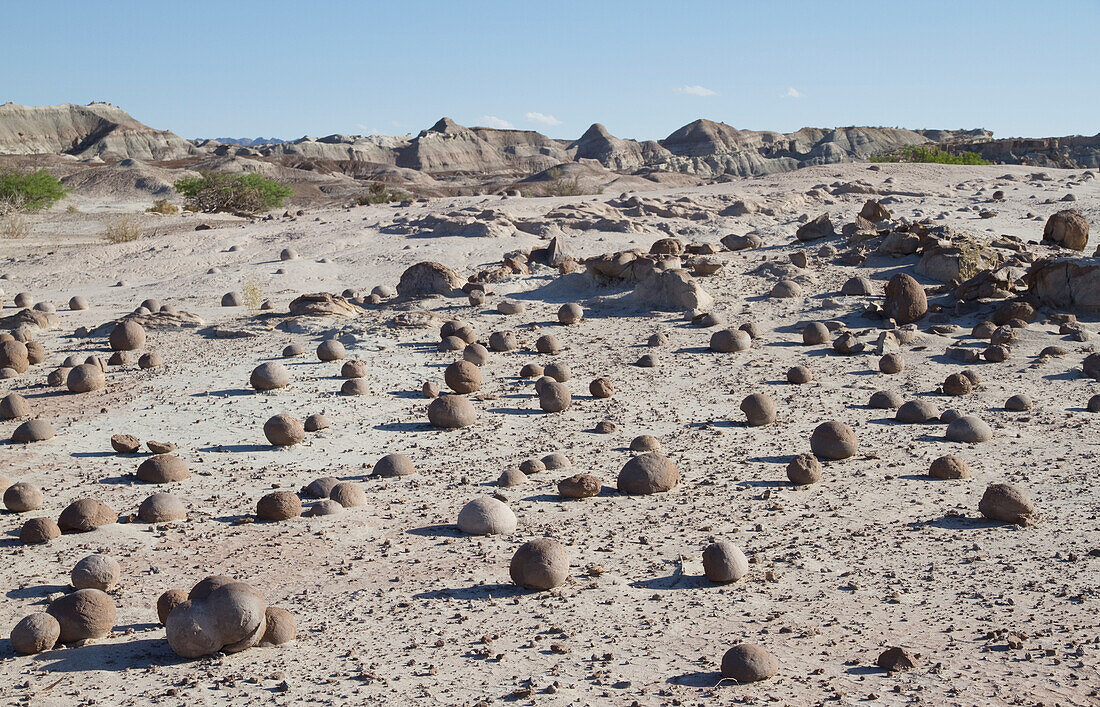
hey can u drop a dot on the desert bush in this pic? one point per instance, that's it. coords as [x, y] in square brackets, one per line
[163, 206]
[122, 229]
[14, 226]
[243, 193]
[29, 191]
[379, 193]
[932, 155]
[253, 292]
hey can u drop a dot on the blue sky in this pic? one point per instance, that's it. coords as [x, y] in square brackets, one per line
[286, 69]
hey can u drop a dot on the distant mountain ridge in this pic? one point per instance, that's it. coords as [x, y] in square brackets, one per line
[244, 141]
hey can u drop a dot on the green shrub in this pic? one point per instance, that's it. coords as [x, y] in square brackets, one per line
[932, 155]
[245, 193]
[29, 191]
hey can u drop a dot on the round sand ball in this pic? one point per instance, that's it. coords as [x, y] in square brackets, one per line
[288, 254]
[127, 336]
[464, 333]
[57, 377]
[1007, 503]
[816, 333]
[24, 300]
[96, 572]
[752, 329]
[163, 469]
[47, 307]
[35, 633]
[316, 422]
[601, 388]
[84, 515]
[759, 409]
[168, 601]
[648, 473]
[1093, 404]
[161, 508]
[430, 389]
[293, 350]
[463, 377]
[558, 371]
[324, 507]
[13, 406]
[730, 341]
[647, 361]
[570, 313]
[949, 467]
[393, 465]
[33, 431]
[83, 614]
[36, 353]
[833, 440]
[353, 369]
[799, 375]
[786, 289]
[957, 384]
[452, 343]
[746, 662]
[284, 430]
[605, 427]
[580, 486]
[969, 429]
[658, 339]
[555, 397]
[949, 415]
[331, 350]
[540, 564]
[511, 477]
[348, 495]
[532, 466]
[858, 286]
[279, 505]
[644, 443]
[998, 353]
[983, 330]
[556, 460]
[451, 412]
[1091, 365]
[279, 628]
[486, 515]
[531, 370]
[916, 412]
[547, 344]
[37, 531]
[804, 469]
[85, 378]
[355, 386]
[78, 303]
[269, 376]
[891, 363]
[906, 300]
[232, 299]
[511, 307]
[119, 358]
[22, 497]
[320, 488]
[503, 341]
[97, 361]
[151, 304]
[14, 355]
[885, 400]
[476, 354]
[724, 562]
[1019, 403]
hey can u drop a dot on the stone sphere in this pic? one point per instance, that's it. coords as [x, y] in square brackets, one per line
[36, 353]
[1093, 404]
[83, 614]
[284, 430]
[949, 467]
[531, 370]
[503, 341]
[280, 627]
[570, 313]
[452, 343]
[269, 376]
[906, 301]
[998, 353]
[288, 254]
[1019, 403]
[22, 497]
[354, 369]
[748, 663]
[601, 388]
[556, 460]
[730, 341]
[355, 386]
[293, 350]
[644, 443]
[799, 375]
[476, 354]
[33, 431]
[759, 409]
[511, 477]
[35, 633]
[451, 412]
[816, 333]
[463, 377]
[96, 572]
[486, 515]
[658, 339]
[324, 507]
[232, 299]
[786, 289]
[547, 344]
[724, 562]
[348, 495]
[127, 336]
[13, 406]
[647, 474]
[393, 465]
[163, 469]
[833, 440]
[224, 616]
[555, 397]
[39, 530]
[580, 486]
[430, 389]
[969, 429]
[891, 363]
[84, 515]
[885, 400]
[957, 384]
[169, 600]
[125, 444]
[119, 358]
[331, 350]
[804, 469]
[916, 412]
[320, 488]
[14, 355]
[558, 371]
[161, 508]
[1007, 503]
[24, 300]
[85, 378]
[278, 505]
[540, 564]
[511, 307]
[316, 422]
[78, 303]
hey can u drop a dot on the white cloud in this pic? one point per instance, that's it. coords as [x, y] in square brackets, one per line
[792, 92]
[695, 91]
[542, 119]
[491, 121]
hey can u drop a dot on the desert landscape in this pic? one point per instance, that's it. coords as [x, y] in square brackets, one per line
[477, 416]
